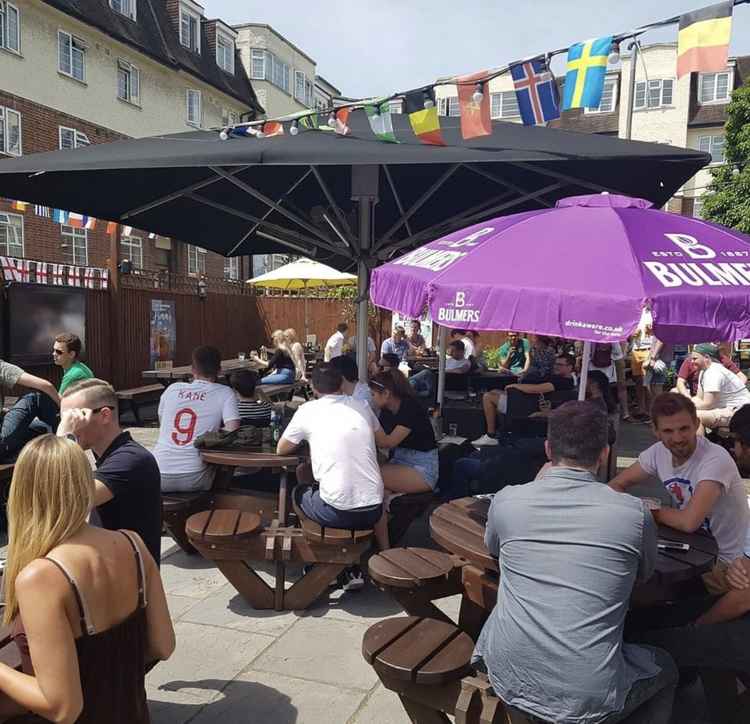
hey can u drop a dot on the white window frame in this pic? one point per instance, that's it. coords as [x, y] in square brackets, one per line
[609, 91]
[77, 239]
[705, 78]
[449, 106]
[258, 55]
[232, 268]
[396, 107]
[76, 139]
[708, 141]
[75, 45]
[131, 248]
[133, 90]
[5, 40]
[185, 12]
[646, 87]
[225, 59]
[196, 260]
[507, 108]
[6, 221]
[299, 86]
[5, 115]
[128, 8]
[192, 92]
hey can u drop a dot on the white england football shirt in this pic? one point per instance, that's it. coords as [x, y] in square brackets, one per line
[187, 410]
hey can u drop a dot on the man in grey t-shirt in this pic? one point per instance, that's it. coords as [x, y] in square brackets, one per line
[570, 550]
[15, 433]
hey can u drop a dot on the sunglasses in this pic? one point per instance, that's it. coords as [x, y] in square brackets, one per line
[379, 385]
[57, 352]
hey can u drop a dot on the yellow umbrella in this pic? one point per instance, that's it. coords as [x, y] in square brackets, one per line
[303, 274]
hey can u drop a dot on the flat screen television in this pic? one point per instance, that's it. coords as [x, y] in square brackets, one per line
[36, 314]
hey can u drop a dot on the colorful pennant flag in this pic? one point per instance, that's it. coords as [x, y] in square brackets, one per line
[475, 116]
[424, 121]
[127, 230]
[78, 221]
[19, 206]
[587, 66]
[273, 128]
[152, 235]
[536, 92]
[703, 39]
[342, 118]
[42, 211]
[310, 122]
[59, 216]
[381, 123]
[111, 228]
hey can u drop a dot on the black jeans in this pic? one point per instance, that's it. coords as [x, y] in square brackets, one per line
[34, 414]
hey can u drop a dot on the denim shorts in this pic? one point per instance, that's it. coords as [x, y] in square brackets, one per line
[426, 462]
[315, 508]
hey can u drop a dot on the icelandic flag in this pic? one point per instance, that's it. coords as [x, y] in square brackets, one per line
[536, 92]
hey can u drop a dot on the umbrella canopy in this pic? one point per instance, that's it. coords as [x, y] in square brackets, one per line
[303, 274]
[297, 194]
[583, 270]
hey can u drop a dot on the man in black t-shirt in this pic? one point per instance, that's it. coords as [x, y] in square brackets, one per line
[127, 482]
[495, 402]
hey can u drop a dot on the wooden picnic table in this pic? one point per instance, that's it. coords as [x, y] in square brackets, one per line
[179, 374]
[459, 525]
[241, 528]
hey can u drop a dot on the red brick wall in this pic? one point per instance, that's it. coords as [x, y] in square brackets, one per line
[42, 238]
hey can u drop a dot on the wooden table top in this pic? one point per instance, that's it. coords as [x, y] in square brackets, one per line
[261, 457]
[458, 526]
[184, 371]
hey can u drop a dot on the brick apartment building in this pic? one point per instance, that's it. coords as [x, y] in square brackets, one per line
[689, 112]
[77, 72]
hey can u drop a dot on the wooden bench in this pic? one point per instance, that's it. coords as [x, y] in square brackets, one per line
[427, 663]
[416, 577]
[137, 396]
[176, 508]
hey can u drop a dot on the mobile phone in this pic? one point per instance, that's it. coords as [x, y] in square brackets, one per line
[673, 545]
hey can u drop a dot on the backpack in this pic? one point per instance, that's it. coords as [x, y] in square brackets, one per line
[602, 356]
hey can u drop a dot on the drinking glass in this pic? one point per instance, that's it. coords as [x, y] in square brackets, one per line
[453, 429]
[241, 355]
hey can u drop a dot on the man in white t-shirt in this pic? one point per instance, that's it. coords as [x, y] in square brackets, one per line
[335, 344]
[350, 384]
[457, 363]
[341, 433]
[720, 392]
[186, 411]
[703, 481]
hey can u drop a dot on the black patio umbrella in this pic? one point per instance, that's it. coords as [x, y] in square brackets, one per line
[315, 193]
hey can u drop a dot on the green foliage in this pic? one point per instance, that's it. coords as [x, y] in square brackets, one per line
[492, 355]
[727, 200]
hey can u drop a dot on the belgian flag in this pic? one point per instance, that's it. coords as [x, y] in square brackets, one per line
[703, 39]
[424, 121]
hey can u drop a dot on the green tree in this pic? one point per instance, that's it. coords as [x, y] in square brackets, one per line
[727, 200]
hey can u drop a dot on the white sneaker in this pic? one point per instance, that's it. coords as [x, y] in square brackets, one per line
[484, 441]
[354, 580]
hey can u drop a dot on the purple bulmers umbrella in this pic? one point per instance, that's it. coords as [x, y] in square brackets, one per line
[583, 270]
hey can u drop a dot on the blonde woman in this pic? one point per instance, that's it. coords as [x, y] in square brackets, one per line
[298, 354]
[280, 367]
[86, 605]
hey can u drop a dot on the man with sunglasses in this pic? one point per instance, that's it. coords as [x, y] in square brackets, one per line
[66, 351]
[127, 483]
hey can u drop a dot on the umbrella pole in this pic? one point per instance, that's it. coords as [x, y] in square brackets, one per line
[365, 192]
[442, 343]
[586, 360]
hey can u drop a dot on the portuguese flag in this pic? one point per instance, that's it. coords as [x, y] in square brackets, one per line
[424, 121]
[703, 40]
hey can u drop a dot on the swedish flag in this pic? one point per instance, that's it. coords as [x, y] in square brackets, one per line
[587, 66]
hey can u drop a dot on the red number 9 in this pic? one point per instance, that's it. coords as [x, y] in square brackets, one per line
[184, 426]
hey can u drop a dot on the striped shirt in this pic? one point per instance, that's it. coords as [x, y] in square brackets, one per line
[254, 412]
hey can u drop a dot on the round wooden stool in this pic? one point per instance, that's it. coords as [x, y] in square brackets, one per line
[410, 567]
[419, 650]
[214, 526]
